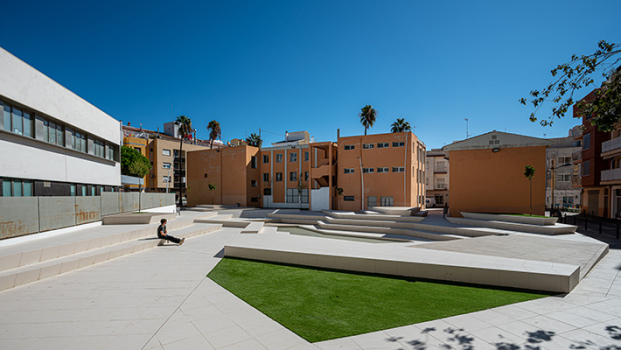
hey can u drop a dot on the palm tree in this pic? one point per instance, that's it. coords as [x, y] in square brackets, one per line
[367, 117]
[254, 140]
[212, 187]
[529, 172]
[185, 128]
[214, 131]
[400, 126]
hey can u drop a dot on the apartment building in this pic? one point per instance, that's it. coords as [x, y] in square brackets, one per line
[560, 192]
[162, 150]
[53, 142]
[611, 176]
[596, 197]
[386, 169]
[437, 176]
[487, 174]
[381, 170]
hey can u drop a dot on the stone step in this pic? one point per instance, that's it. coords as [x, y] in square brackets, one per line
[377, 216]
[253, 227]
[392, 238]
[36, 252]
[26, 274]
[436, 236]
[556, 229]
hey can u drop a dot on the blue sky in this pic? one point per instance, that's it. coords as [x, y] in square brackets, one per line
[311, 65]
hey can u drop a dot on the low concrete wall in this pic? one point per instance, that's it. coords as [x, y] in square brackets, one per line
[18, 216]
[26, 215]
[56, 212]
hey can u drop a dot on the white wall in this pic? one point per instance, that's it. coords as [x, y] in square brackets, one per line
[320, 199]
[24, 84]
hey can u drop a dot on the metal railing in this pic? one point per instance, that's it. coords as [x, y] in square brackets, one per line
[612, 174]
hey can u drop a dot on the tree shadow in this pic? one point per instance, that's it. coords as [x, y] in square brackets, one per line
[538, 339]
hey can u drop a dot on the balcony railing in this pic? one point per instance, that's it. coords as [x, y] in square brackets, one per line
[611, 145]
[576, 156]
[611, 175]
[440, 169]
[440, 186]
[576, 181]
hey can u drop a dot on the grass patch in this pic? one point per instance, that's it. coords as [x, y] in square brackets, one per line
[320, 304]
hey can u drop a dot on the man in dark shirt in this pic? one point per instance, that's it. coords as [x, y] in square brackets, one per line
[162, 233]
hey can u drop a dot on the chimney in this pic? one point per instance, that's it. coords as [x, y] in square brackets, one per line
[338, 133]
[129, 123]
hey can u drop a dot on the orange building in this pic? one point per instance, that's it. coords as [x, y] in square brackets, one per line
[389, 167]
[487, 174]
[299, 173]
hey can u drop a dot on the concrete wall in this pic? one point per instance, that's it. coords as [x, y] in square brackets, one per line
[25, 215]
[493, 182]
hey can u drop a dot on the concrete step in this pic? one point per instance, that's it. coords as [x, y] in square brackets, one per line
[392, 238]
[436, 236]
[73, 244]
[253, 227]
[218, 206]
[26, 274]
[556, 229]
[379, 216]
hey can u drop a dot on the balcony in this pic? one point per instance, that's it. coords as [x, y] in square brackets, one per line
[576, 181]
[611, 175]
[576, 156]
[440, 169]
[611, 145]
[440, 186]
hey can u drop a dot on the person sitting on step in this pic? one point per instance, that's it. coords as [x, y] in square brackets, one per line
[162, 233]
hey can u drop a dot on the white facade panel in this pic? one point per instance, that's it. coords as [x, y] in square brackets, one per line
[24, 84]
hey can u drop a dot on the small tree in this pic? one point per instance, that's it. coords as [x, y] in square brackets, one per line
[339, 193]
[134, 163]
[529, 172]
[400, 126]
[367, 116]
[212, 187]
[254, 140]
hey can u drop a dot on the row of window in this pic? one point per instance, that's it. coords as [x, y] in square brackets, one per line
[293, 157]
[24, 123]
[372, 145]
[25, 188]
[295, 195]
[398, 169]
[293, 176]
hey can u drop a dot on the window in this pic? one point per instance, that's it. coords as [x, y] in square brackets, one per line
[398, 169]
[306, 156]
[6, 188]
[266, 159]
[166, 152]
[110, 154]
[382, 170]
[293, 157]
[348, 170]
[398, 144]
[253, 162]
[371, 201]
[18, 126]
[253, 183]
[166, 179]
[563, 161]
[305, 176]
[278, 177]
[349, 147]
[266, 177]
[7, 117]
[368, 146]
[349, 198]
[83, 191]
[166, 165]
[267, 191]
[254, 199]
[99, 148]
[278, 157]
[386, 201]
[72, 189]
[568, 201]
[563, 177]
[382, 145]
[586, 141]
[293, 195]
[16, 188]
[293, 176]
[367, 170]
[586, 168]
[304, 195]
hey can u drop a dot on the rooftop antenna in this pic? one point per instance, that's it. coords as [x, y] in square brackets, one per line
[414, 129]
[467, 135]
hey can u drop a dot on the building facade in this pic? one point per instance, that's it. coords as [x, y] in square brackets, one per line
[560, 192]
[53, 142]
[437, 177]
[372, 170]
[487, 174]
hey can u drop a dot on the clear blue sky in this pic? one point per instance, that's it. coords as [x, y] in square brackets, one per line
[311, 65]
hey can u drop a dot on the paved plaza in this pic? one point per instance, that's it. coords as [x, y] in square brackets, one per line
[160, 298]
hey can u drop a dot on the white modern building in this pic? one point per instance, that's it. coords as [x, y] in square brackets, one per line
[560, 192]
[52, 142]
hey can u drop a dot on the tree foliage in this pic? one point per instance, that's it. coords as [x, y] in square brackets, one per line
[185, 129]
[367, 117]
[254, 140]
[214, 131]
[400, 126]
[133, 163]
[576, 74]
[529, 172]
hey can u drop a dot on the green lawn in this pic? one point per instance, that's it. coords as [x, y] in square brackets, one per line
[319, 304]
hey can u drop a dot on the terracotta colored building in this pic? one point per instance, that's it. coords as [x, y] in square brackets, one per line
[487, 174]
[299, 173]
